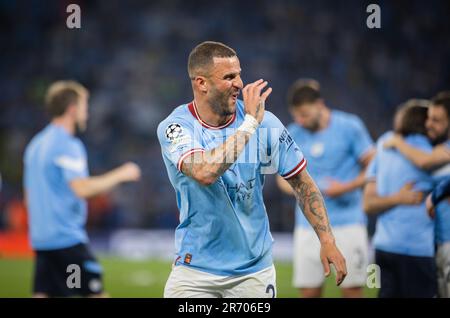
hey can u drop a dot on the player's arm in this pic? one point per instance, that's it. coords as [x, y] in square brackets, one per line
[337, 188]
[360, 180]
[284, 186]
[439, 156]
[90, 186]
[439, 193]
[373, 203]
[311, 203]
[207, 167]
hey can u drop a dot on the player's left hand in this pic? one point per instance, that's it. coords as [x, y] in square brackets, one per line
[335, 188]
[430, 207]
[330, 254]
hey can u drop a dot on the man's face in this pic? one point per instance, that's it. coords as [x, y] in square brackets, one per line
[82, 113]
[308, 115]
[437, 124]
[224, 85]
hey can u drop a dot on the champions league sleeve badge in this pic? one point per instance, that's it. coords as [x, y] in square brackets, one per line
[174, 132]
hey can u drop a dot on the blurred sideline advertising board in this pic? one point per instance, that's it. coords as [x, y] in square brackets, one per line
[141, 244]
[129, 243]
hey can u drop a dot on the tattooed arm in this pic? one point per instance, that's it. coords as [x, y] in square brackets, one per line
[311, 202]
[207, 167]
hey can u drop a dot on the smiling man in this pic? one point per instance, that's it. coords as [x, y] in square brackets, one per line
[217, 149]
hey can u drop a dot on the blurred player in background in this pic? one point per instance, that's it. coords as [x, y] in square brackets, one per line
[404, 235]
[440, 192]
[438, 161]
[338, 148]
[57, 184]
[223, 241]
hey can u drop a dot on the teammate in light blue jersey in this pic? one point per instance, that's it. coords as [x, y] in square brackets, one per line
[57, 182]
[57, 215]
[438, 162]
[338, 147]
[216, 150]
[404, 235]
[440, 192]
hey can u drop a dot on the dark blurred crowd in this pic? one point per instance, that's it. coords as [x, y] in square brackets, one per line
[132, 56]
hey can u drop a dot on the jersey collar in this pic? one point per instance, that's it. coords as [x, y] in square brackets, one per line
[193, 109]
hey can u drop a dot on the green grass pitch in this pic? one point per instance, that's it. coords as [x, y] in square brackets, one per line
[128, 278]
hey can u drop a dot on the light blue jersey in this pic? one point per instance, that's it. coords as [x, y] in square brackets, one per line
[442, 221]
[224, 229]
[334, 153]
[56, 216]
[404, 229]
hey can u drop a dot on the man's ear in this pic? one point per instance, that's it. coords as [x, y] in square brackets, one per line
[200, 82]
[72, 110]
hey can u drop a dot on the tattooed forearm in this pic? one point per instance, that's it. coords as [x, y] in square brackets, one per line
[311, 202]
[210, 165]
[309, 197]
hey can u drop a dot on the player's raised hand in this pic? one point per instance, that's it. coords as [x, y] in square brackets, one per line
[254, 101]
[129, 172]
[330, 254]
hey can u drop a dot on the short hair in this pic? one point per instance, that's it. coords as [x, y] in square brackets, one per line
[61, 94]
[414, 117]
[202, 56]
[442, 99]
[303, 91]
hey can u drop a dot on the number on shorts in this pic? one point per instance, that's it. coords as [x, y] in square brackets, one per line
[269, 288]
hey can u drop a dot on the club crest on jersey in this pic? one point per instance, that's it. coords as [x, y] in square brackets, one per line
[317, 149]
[187, 258]
[174, 132]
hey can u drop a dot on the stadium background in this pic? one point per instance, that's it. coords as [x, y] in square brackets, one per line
[132, 56]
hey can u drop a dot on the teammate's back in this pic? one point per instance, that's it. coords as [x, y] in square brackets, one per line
[57, 215]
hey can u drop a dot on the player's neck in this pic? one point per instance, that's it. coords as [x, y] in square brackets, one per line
[325, 118]
[207, 115]
[65, 123]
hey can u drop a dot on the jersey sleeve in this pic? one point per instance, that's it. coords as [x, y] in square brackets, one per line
[362, 142]
[72, 160]
[441, 191]
[285, 153]
[178, 140]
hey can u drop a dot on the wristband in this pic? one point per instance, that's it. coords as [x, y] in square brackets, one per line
[249, 125]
